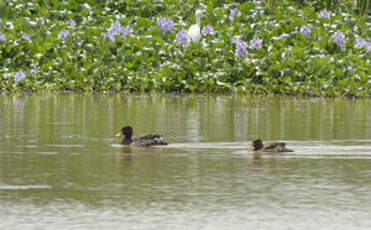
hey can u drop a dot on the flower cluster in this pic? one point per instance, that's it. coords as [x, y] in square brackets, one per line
[235, 13]
[324, 14]
[182, 38]
[117, 29]
[305, 30]
[165, 24]
[19, 76]
[26, 37]
[207, 30]
[63, 34]
[241, 47]
[72, 23]
[361, 43]
[2, 37]
[256, 43]
[339, 39]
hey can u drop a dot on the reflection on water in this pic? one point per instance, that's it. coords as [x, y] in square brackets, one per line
[61, 166]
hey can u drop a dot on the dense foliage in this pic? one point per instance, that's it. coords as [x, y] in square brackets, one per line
[246, 46]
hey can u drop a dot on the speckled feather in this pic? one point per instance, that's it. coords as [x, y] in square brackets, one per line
[148, 140]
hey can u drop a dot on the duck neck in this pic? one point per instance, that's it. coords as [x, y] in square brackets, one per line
[127, 140]
[258, 147]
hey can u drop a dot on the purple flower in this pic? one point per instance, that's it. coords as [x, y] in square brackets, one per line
[116, 29]
[207, 30]
[63, 34]
[19, 76]
[2, 37]
[241, 47]
[42, 22]
[165, 24]
[305, 30]
[368, 46]
[235, 13]
[235, 39]
[110, 34]
[339, 39]
[72, 23]
[182, 38]
[34, 70]
[324, 14]
[26, 37]
[361, 43]
[256, 43]
[126, 31]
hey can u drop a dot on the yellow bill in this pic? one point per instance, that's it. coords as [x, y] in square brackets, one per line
[119, 134]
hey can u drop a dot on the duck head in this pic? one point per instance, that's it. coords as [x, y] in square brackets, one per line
[257, 144]
[126, 131]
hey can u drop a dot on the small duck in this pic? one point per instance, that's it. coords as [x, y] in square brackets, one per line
[144, 140]
[277, 147]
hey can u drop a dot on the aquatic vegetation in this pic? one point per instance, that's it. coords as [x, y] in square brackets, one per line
[235, 13]
[2, 37]
[241, 47]
[339, 39]
[143, 46]
[19, 76]
[324, 14]
[207, 30]
[165, 24]
[182, 38]
[117, 29]
[305, 30]
[26, 37]
[361, 43]
[63, 34]
[72, 23]
[256, 43]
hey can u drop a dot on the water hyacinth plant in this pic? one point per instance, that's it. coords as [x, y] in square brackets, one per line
[165, 24]
[256, 43]
[26, 37]
[305, 30]
[207, 30]
[324, 14]
[241, 47]
[19, 76]
[156, 60]
[361, 43]
[63, 34]
[182, 38]
[2, 37]
[339, 39]
[72, 23]
[235, 13]
[117, 29]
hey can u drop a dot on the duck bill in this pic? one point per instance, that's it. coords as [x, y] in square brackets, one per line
[119, 134]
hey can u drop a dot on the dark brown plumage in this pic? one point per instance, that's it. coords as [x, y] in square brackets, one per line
[277, 147]
[143, 140]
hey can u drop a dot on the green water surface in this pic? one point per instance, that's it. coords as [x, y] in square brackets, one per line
[61, 166]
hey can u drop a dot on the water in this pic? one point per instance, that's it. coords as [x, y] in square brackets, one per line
[61, 166]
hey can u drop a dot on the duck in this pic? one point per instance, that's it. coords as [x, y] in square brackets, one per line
[143, 140]
[194, 32]
[277, 147]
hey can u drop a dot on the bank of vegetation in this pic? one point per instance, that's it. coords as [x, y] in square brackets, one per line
[261, 47]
